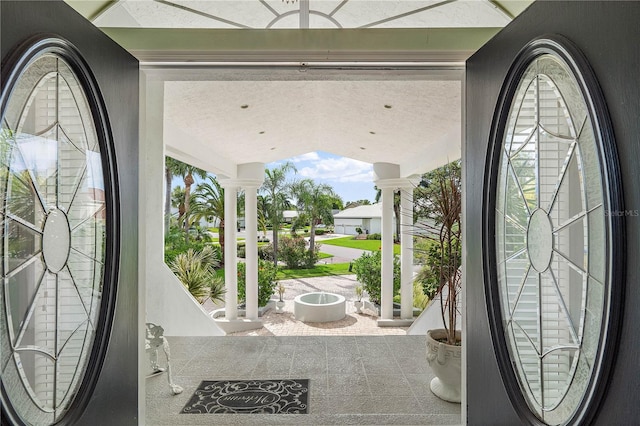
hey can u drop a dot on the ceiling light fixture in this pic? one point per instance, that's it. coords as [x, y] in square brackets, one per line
[289, 1]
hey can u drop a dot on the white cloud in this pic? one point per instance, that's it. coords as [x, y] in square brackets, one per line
[309, 156]
[339, 170]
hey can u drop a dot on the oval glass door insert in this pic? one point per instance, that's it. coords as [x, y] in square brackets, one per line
[552, 239]
[54, 233]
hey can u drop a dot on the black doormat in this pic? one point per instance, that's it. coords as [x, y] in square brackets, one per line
[287, 396]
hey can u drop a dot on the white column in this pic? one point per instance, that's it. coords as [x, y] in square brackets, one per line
[386, 294]
[230, 252]
[406, 252]
[251, 246]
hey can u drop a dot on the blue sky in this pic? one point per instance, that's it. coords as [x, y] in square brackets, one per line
[351, 179]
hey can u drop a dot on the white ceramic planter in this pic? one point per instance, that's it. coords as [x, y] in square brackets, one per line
[446, 363]
[358, 305]
[279, 307]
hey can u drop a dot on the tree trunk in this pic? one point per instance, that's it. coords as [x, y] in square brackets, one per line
[167, 202]
[312, 238]
[221, 239]
[188, 181]
[396, 210]
[274, 229]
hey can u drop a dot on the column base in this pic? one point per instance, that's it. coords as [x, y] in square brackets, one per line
[240, 324]
[394, 322]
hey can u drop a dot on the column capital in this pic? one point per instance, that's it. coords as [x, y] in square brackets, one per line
[240, 183]
[398, 183]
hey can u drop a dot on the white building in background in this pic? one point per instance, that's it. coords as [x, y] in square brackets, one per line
[368, 218]
[288, 216]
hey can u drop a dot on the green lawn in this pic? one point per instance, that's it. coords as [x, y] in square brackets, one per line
[216, 241]
[371, 245]
[317, 271]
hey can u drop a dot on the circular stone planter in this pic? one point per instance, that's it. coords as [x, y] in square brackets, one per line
[319, 307]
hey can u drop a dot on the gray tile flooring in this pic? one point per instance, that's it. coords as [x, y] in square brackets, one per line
[354, 380]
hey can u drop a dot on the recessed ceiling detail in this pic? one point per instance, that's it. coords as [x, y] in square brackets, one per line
[244, 14]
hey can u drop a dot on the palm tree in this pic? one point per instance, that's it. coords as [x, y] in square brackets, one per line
[171, 168]
[276, 187]
[177, 201]
[263, 211]
[187, 171]
[208, 203]
[315, 201]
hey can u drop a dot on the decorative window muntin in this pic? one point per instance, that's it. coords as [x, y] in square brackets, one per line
[56, 222]
[556, 188]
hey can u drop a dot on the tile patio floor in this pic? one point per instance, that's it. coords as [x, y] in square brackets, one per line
[354, 380]
[360, 374]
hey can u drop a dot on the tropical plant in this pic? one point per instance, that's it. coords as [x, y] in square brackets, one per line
[196, 271]
[266, 281]
[208, 203]
[440, 203]
[368, 272]
[315, 201]
[174, 244]
[276, 188]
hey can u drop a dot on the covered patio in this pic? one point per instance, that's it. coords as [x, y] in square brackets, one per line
[354, 380]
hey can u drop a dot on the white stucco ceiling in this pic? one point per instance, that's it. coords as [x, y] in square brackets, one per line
[413, 122]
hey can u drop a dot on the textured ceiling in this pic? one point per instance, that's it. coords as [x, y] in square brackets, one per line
[414, 123]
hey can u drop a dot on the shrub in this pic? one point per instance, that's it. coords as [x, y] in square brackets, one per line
[266, 281]
[359, 230]
[375, 236]
[421, 246]
[196, 271]
[320, 231]
[265, 252]
[429, 275]
[367, 268]
[175, 244]
[295, 254]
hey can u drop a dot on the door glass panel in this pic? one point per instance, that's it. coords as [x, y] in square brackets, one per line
[550, 239]
[53, 237]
